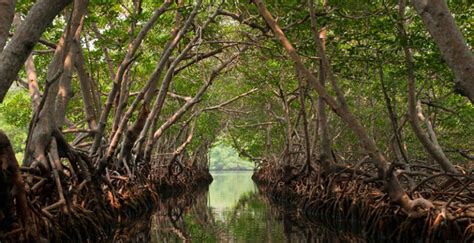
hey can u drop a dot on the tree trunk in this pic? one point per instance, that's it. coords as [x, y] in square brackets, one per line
[65, 89]
[33, 86]
[7, 11]
[54, 99]
[132, 49]
[177, 34]
[183, 146]
[340, 109]
[400, 151]
[325, 156]
[392, 184]
[435, 151]
[148, 92]
[302, 96]
[20, 46]
[12, 190]
[42, 125]
[87, 90]
[454, 49]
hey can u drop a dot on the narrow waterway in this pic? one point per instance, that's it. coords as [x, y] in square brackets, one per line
[231, 210]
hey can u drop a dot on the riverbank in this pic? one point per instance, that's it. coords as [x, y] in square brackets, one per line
[101, 216]
[344, 197]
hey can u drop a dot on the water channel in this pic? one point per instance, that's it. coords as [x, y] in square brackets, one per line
[232, 210]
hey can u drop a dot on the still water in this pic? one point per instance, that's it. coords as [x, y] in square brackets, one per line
[231, 210]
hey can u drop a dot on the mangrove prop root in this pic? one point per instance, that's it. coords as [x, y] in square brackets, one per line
[348, 196]
[65, 206]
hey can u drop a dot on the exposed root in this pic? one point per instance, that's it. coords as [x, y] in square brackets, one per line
[71, 203]
[346, 196]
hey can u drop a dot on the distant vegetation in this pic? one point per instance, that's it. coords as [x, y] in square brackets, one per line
[224, 157]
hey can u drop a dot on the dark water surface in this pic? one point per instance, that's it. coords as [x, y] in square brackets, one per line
[232, 210]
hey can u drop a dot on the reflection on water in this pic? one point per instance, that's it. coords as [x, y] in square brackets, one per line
[232, 210]
[227, 189]
[240, 215]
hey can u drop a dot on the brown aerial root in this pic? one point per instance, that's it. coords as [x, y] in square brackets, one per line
[340, 199]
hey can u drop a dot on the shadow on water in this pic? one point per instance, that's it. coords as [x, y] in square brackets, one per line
[231, 210]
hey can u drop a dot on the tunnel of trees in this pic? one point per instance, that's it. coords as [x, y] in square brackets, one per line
[338, 103]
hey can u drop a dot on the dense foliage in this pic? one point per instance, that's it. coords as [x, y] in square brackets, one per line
[362, 43]
[100, 97]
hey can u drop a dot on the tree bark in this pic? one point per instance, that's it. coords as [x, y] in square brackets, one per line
[54, 100]
[33, 86]
[20, 46]
[435, 151]
[74, 35]
[42, 125]
[12, 188]
[64, 90]
[87, 90]
[454, 49]
[7, 12]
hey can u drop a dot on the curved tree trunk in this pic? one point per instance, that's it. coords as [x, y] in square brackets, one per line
[20, 46]
[432, 147]
[454, 49]
[177, 33]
